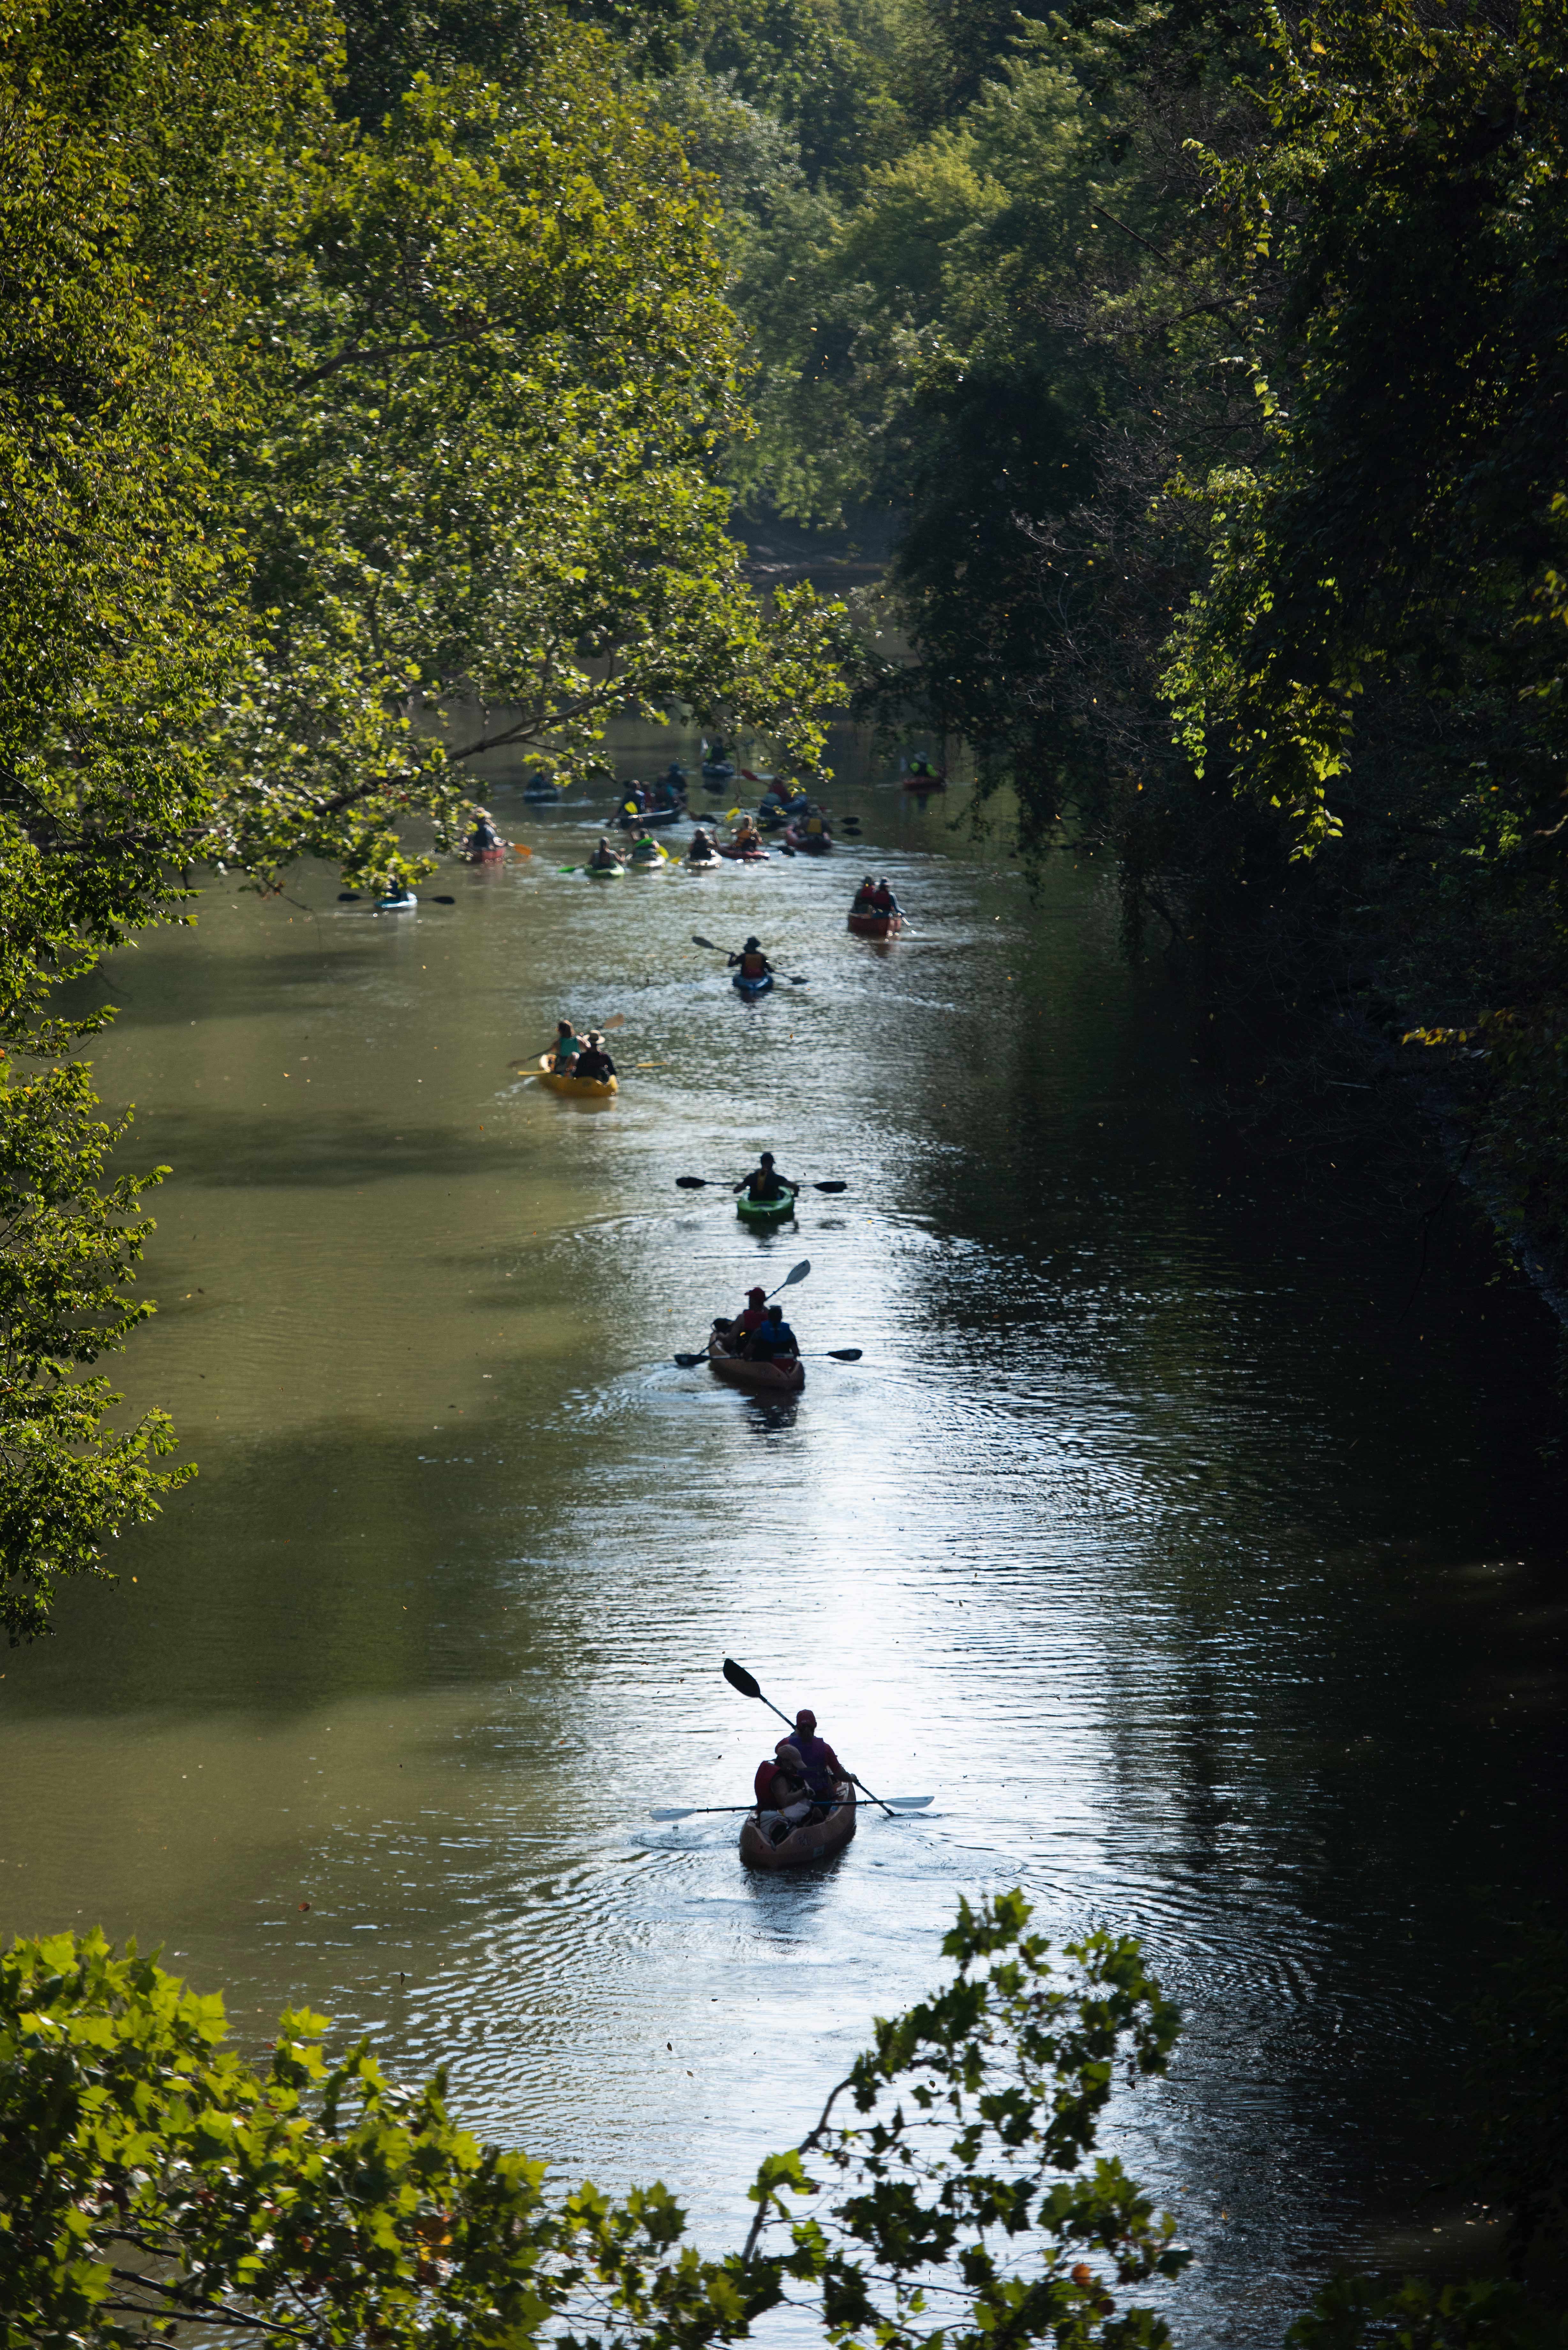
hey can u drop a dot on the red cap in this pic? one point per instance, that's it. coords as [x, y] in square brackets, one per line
[758, 1291]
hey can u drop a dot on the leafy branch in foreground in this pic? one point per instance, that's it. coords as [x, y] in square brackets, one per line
[966, 2172]
[149, 2178]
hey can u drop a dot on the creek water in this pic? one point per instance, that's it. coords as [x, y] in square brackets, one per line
[1201, 1579]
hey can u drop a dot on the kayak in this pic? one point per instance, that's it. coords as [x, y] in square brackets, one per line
[650, 816]
[809, 844]
[702, 865]
[813, 1840]
[483, 855]
[403, 905]
[587, 1089]
[876, 926]
[765, 1378]
[925, 783]
[751, 988]
[647, 864]
[746, 856]
[764, 1212]
[546, 794]
[603, 872]
[717, 771]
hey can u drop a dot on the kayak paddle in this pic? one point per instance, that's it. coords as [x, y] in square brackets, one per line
[717, 1182]
[893, 1803]
[796, 1273]
[739, 1678]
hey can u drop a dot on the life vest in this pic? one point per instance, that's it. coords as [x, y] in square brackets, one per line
[752, 966]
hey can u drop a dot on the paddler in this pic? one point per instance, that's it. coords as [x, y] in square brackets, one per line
[738, 1335]
[701, 849]
[568, 1047]
[764, 1182]
[593, 1061]
[883, 901]
[485, 835]
[645, 850]
[747, 837]
[821, 1765]
[773, 1341]
[815, 827]
[780, 1787]
[754, 964]
[863, 896]
[604, 856]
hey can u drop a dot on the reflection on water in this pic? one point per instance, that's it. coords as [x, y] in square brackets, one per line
[1200, 1590]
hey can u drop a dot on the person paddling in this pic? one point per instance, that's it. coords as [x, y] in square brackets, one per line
[822, 1766]
[773, 1341]
[604, 856]
[485, 835]
[593, 1061]
[739, 1334]
[568, 1047]
[784, 1799]
[754, 964]
[701, 851]
[883, 901]
[764, 1182]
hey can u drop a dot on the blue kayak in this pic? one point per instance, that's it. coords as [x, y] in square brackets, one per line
[751, 988]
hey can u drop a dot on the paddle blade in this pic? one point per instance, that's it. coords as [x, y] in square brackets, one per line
[348, 897]
[441, 901]
[706, 942]
[691, 1182]
[830, 1187]
[616, 1020]
[664, 1812]
[739, 1678]
[689, 1362]
[903, 1803]
[845, 1354]
[796, 1273]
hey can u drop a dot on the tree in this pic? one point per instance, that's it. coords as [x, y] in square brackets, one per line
[331, 454]
[148, 2177]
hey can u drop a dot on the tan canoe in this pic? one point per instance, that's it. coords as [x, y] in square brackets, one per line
[763, 1378]
[815, 1841]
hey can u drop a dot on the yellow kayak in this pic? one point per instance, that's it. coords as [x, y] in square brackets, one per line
[590, 1089]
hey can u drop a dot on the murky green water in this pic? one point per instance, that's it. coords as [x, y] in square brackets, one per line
[1209, 1600]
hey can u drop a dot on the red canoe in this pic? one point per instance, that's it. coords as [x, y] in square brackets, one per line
[762, 1379]
[809, 844]
[876, 926]
[746, 856]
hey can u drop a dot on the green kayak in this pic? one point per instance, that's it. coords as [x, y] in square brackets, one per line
[765, 1211]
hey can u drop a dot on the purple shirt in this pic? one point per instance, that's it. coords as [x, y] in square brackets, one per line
[821, 1763]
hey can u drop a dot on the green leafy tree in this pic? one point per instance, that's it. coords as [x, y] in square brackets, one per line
[149, 2178]
[331, 454]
